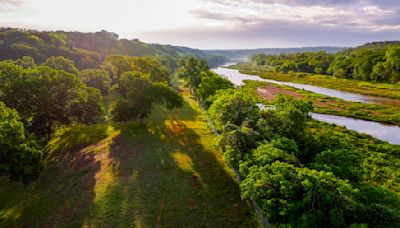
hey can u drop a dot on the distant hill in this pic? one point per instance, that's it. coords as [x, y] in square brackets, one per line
[88, 50]
[246, 53]
[380, 45]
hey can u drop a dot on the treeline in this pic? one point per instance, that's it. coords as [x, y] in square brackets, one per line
[379, 62]
[88, 50]
[301, 172]
[37, 100]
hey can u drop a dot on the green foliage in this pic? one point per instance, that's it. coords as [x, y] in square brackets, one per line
[190, 70]
[289, 117]
[88, 50]
[266, 154]
[118, 65]
[19, 157]
[26, 62]
[61, 63]
[99, 79]
[236, 141]
[46, 98]
[137, 93]
[210, 83]
[377, 62]
[344, 163]
[311, 62]
[99, 175]
[299, 196]
[233, 108]
[304, 173]
[378, 215]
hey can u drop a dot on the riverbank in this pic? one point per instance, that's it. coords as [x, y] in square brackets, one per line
[370, 119]
[330, 105]
[361, 87]
[382, 114]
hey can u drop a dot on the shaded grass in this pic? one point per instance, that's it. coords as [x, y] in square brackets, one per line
[355, 86]
[166, 174]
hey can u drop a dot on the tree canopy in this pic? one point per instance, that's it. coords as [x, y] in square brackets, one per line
[377, 62]
[19, 157]
[137, 94]
[45, 98]
[96, 78]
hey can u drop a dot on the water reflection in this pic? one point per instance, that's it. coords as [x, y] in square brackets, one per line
[390, 133]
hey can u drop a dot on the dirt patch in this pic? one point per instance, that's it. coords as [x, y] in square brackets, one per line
[270, 92]
[329, 104]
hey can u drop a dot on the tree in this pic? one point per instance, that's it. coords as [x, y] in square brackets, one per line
[233, 108]
[266, 154]
[19, 159]
[288, 66]
[236, 141]
[99, 79]
[210, 83]
[26, 62]
[392, 64]
[344, 163]
[9, 71]
[299, 197]
[289, 117]
[363, 61]
[138, 94]
[341, 67]
[61, 63]
[46, 97]
[118, 65]
[190, 70]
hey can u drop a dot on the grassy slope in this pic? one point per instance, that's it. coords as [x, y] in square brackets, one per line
[166, 174]
[355, 86]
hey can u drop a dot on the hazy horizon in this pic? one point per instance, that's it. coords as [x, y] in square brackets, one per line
[216, 24]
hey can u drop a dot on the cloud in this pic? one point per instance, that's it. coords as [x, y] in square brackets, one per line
[219, 16]
[286, 23]
[287, 2]
[7, 5]
[382, 3]
[356, 14]
[271, 34]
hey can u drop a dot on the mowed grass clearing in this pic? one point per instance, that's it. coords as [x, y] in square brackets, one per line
[166, 174]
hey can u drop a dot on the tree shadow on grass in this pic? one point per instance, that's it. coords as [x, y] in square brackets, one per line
[164, 176]
[126, 175]
[65, 190]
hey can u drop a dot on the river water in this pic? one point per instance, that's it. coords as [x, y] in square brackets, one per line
[237, 78]
[389, 133]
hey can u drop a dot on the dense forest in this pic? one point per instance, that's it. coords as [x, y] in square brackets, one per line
[87, 50]
[378, 62]
[244, 54]
[301, 172]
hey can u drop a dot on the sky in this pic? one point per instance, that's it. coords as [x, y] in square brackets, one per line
[216, 24]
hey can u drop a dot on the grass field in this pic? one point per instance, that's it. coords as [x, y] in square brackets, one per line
[166, 174]
[355, 86]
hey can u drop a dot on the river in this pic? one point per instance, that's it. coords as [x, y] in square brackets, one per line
[237, 78]
[389, 133]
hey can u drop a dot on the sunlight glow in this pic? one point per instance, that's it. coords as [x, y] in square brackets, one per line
[118, 16]
[214, 23]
